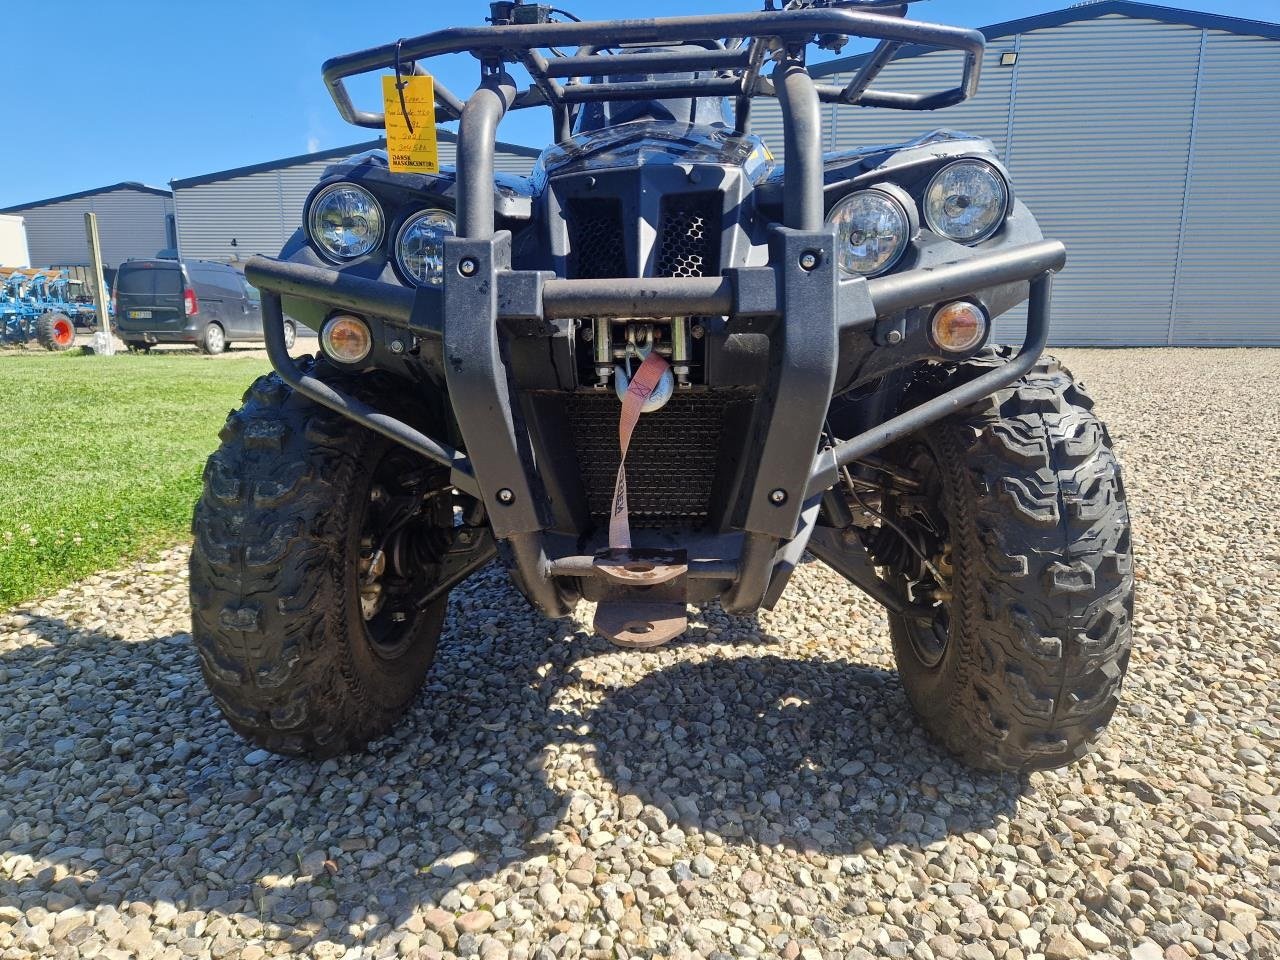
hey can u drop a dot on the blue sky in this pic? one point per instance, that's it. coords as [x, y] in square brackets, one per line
[168, 90]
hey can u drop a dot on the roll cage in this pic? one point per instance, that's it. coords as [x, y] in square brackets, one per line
[732, 67]
[736, 67]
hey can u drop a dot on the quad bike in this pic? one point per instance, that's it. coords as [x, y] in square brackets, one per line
[795, 358]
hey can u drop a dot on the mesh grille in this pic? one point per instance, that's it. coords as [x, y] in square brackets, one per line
[671, 465]
[596, 248]
[689, 244]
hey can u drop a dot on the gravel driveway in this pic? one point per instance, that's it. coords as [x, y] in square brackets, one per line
[758, 789]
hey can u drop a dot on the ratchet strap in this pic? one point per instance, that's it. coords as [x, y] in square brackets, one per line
[642, 385]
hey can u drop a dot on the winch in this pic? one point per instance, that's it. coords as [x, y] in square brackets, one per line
[620, 343]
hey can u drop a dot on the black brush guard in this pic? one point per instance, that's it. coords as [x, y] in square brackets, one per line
[799, 300]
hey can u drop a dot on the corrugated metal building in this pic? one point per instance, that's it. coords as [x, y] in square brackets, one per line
[134, 220]
[233, 214]
[1143, 137]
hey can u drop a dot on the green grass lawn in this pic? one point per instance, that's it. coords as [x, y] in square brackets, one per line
[101, 457]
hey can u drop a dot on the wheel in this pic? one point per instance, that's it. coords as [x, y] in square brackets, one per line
[213, 340]
[55, 331]
[1022, 547]
[290, 334]
[314, 541]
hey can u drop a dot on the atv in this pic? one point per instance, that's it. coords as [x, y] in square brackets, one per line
[657, 372]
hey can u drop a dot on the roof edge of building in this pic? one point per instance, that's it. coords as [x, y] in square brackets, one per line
[81, 194]
[330, 154]
[1078, 13]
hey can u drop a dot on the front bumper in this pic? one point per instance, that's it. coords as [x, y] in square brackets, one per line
[811, 318]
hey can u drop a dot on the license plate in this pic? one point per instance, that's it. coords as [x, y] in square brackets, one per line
[139, 314]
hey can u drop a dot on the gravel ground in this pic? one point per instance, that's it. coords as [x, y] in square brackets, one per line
[758, 789]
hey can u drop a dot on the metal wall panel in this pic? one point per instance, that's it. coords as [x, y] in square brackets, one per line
[1101, 124]
[260, 211]
[1229, 282]
[130, 224]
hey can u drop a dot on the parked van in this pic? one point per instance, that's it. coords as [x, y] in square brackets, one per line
[187, 301]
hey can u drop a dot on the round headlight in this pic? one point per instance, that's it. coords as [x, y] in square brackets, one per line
[345, 221]
[346, 338]
[966, 201]
[420, 245]
[872, 232]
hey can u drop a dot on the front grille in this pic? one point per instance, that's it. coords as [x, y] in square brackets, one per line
[596, 247]
[675, 451]
[671, 465]
[689, 235]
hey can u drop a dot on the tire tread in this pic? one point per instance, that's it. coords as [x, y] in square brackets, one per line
[269, 614]
[1046, 635]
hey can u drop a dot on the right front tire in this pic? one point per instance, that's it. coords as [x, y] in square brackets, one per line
[306, 574]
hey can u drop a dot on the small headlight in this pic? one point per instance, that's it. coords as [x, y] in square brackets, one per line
[345, 221]
[346, 338]
[958, 327]
[872, 232]
[966, 201]
[420, 245]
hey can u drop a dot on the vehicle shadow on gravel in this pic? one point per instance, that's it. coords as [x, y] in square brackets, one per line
[816, 755]
[151, 806]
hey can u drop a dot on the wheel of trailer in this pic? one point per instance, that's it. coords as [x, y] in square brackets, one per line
[55, 331]
[1017, 536]
[213, 340]
[290, 334]
[315, 542]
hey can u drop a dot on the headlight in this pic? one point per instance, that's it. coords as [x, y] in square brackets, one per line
[966, 201]
[872, 232]
[420, 245]
[346, 338]
[345, 221]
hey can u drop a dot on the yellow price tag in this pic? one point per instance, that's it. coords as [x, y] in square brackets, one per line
[416, 151]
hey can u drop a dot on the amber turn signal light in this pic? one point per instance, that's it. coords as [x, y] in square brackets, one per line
[959, 327]
[346, 338]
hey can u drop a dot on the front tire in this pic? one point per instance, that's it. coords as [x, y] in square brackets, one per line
[299, 644]
[1022, 667]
